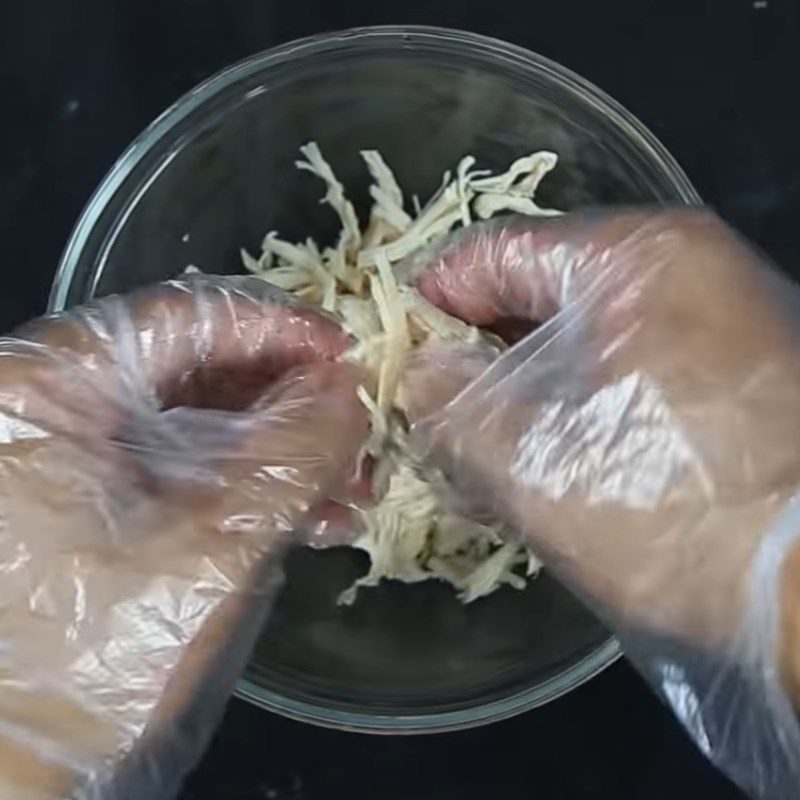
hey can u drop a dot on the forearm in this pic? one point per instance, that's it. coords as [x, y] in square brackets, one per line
[120, 657]
[790, 624]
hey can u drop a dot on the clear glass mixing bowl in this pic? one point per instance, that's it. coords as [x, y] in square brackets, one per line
[215, 172]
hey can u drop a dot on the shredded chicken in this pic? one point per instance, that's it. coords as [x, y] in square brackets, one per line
[410, 533]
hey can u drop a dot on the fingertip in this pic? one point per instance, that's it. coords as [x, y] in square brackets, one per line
[429, 287]
[437, 373]
[320, 338]
[330, 387]
[469, 276]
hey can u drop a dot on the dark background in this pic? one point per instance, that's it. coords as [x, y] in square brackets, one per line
[716, 80]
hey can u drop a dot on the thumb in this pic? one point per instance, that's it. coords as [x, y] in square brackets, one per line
[437, 373]
[302, 446]
[260, 471]
[437, 378]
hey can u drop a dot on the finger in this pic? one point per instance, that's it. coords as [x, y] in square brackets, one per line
[332, 522]
[520, 269]
[242, 335]
[205, 341]
[299, 447]
[438, 372]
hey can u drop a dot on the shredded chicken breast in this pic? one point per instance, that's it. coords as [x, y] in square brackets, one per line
[410, 533]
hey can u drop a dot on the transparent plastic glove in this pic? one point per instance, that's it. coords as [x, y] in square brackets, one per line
[156, 452]
[645, 439]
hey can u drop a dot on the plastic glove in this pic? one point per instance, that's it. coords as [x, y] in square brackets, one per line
[644, 440]
[156, 451]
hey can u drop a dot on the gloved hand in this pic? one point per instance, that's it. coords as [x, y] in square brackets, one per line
[644, 439]
[156, 452]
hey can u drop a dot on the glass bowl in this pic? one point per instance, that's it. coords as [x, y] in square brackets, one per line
[216, 171]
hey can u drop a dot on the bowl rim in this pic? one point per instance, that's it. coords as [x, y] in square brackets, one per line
[401, 36]
[327, 716]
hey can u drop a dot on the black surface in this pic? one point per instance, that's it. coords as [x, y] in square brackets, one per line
[716, 81]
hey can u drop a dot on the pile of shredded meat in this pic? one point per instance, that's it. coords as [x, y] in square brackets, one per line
[410, 533]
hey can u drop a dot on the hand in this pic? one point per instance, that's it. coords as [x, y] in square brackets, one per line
[644, 441]
[156, 451]
[643, 437]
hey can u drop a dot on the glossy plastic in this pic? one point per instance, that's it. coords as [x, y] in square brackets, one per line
[156, 457]
[643, 442]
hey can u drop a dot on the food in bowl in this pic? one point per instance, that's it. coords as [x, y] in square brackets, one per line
[410, 533]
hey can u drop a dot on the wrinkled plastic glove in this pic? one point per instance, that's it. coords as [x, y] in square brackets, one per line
[644, 439]
[156, 453]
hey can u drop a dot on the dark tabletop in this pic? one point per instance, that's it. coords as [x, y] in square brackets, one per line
[716, 80]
